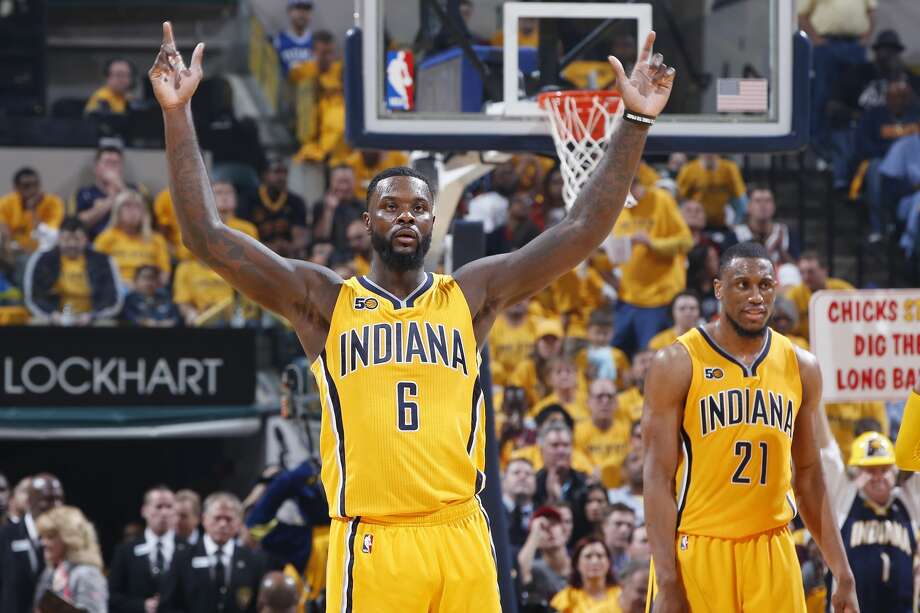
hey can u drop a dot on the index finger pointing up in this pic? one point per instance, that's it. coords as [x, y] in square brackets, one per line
[646, 48]
[168, 34]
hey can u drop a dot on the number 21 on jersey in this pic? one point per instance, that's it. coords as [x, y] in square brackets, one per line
[745, 450]
[407, 406]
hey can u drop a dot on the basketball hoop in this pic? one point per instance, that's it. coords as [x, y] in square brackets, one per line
[581, 123]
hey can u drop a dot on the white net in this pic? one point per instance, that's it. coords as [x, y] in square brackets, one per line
[581, 124]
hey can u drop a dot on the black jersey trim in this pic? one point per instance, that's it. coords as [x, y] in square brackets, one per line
[688, 473]
[349, 572]
[409, 301]
[339, 429]
[748, 372]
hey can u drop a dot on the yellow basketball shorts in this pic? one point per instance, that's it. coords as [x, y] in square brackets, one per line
[442, 562]
[759, 574]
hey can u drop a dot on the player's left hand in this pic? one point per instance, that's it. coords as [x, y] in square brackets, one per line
[648, 88]
[844, 597]
[174, 83]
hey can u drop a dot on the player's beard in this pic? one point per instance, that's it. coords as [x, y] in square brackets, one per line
[744, 332]
[400, 262]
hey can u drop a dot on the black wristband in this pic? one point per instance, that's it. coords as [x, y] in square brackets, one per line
[638, 118]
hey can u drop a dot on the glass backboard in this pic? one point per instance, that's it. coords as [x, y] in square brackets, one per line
[453, 75]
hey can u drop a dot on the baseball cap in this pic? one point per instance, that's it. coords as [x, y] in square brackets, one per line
[307, 4]
[888, 38]
[549, 513]
[872, 449]
[549, 327]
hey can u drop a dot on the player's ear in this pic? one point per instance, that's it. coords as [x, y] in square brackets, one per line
[717, 288]
[366, 218]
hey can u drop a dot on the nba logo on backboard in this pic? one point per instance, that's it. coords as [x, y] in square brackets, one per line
[400, 80]
[368, 543]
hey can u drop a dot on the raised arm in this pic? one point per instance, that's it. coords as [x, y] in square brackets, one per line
[666, 388]
[506, 279]
[811, 489]
[286, 287]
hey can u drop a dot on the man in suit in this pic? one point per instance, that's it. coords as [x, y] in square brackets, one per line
[22, 559]
[217, 575]
[188, 516]
[138, 567]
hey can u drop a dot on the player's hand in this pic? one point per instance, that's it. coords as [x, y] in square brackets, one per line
[173, 82]
[844, 597]
[670, 600]
[648, 88]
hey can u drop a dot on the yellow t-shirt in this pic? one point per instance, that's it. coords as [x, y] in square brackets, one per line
[362, 267]
[105, 100]
[606, 449]
[132, 252]
[525, 375]
[620, 360]
[842, 417]
[575, 600]
[73, 286]
[801, 295]
[650, 278]
[22, 222]
[629, 405]
[509, 346]
[663, 339]
[364, 173]
[838, 17]
[907, 447]
[713, 188]
[199, 286]
[323, 115]
[165, 214]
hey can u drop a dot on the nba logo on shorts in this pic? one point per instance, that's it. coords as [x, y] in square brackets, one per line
[684, 542]
[400, 82]
[368, 543]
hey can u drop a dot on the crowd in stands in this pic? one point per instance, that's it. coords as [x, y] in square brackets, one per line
[568, 366]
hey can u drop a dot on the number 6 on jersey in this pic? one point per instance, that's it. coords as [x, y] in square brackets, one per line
[407, 406]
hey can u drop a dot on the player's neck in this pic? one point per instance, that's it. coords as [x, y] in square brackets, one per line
[399, 283]
[740, 346]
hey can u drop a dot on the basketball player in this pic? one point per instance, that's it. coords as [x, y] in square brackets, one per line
[395, 353]
[907, 447]
[730, 407]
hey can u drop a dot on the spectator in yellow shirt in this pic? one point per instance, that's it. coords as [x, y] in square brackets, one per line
[592, 586]
[366, 163]
[563, 380]
[529, 373]
[655, 271]
[603, 438]
[197, 288]
[71, 284]
[907, 447]
[685, 312]
[359, 243]
[27, 213]
[323, 113]
[850, 419]
[511, 341]
[113, 97]
[814, 278]
[599, 359]
[716, 182]
[131, 241]
[630, 400]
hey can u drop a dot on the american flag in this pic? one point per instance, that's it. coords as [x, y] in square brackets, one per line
[739, 95]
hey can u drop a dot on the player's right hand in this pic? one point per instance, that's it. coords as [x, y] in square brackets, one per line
[173, 82]
[670, 600]
[844, 599]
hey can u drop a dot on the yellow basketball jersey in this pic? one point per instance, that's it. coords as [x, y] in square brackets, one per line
[735, 474]
[403, 418]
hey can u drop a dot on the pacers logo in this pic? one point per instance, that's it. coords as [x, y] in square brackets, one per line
[364, 303]
[713, 373]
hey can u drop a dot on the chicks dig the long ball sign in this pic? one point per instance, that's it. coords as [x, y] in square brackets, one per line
[867, 342]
